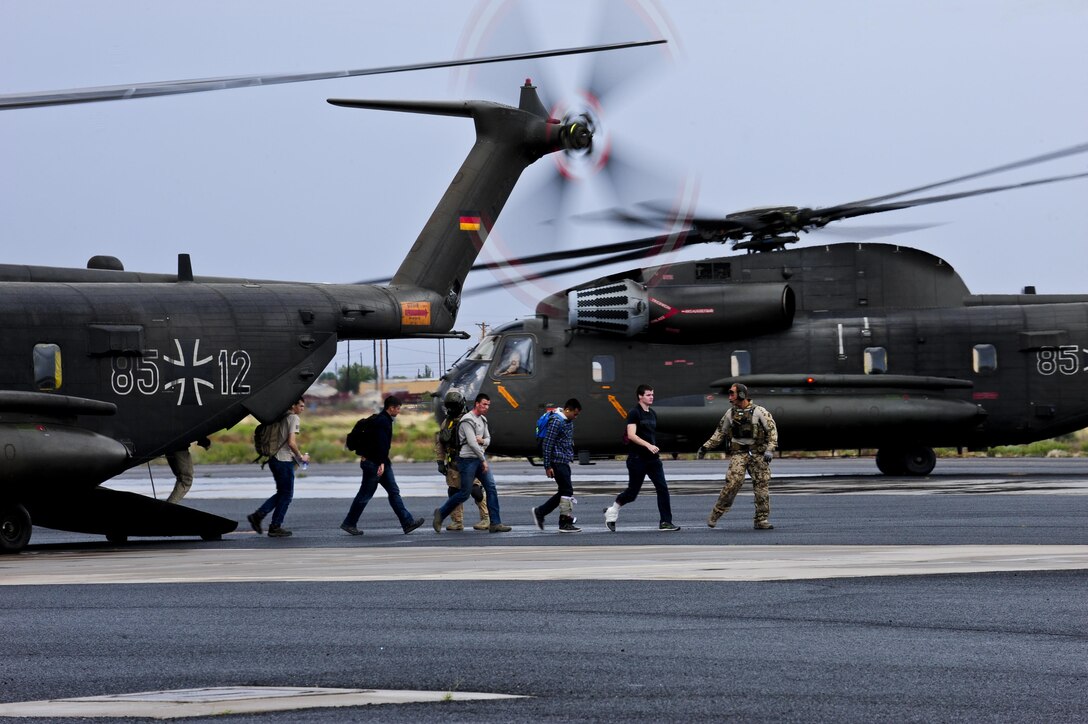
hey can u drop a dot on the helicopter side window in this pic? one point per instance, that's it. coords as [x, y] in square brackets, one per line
[984, 358]
[876, 360]
[47, 367]
[516, 359]
[604, 368]
[740, 363]
[713, 271]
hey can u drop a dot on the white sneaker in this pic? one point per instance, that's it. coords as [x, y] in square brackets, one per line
[611, 515]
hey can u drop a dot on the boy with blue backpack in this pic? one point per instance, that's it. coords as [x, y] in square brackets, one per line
[555, 432]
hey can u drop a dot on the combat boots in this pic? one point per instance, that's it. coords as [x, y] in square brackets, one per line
[715, 514]
[485, 517]
[457, 519]
[763, 525]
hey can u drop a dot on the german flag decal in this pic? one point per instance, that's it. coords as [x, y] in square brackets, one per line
[415, 314]
[470, 222]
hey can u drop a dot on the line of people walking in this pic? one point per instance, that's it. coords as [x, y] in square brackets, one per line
[747, 431]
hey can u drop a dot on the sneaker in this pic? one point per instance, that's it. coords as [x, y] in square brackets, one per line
[455, 526]
[763, 525]
[668, 526]
[278, 532]
[416, 522]
[499, 528]
[350, 529]
[437, 522]
[538, 519]
[255, 523]
[611, 515]
[566, 525]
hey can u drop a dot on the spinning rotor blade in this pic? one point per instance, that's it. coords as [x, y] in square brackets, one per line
[850, 211]
[763, 225]
[1054, 155]
[615, 259]
[164, 88]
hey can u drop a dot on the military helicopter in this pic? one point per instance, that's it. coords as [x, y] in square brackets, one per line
[103, 369]
[850, 345]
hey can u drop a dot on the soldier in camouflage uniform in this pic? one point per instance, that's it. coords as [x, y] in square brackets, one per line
[445, 450]
[751, 437]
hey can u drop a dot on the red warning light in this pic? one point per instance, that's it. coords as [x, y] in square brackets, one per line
[810, 380]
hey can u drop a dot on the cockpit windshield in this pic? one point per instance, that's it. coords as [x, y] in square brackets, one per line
[484, 351]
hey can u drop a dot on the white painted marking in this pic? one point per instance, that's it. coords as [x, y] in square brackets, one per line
[218, 701]
[532, 563]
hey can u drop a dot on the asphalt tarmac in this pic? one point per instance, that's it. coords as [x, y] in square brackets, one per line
[957, 597]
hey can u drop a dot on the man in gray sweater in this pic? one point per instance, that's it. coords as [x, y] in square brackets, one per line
[474, 437]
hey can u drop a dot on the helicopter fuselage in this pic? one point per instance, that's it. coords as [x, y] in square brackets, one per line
[877, 346]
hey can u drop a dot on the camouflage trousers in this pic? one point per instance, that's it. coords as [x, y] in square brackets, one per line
[457, 516]
[754, 465]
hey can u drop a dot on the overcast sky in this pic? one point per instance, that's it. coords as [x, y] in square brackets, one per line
[752, 104]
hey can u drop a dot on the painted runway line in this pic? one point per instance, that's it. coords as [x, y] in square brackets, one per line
[534, 563]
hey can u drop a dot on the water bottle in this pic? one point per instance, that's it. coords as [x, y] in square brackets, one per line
[305, 461]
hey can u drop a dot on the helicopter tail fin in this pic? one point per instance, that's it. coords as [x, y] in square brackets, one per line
[508, 140]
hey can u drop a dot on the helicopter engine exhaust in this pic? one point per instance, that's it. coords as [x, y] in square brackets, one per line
[685, 314]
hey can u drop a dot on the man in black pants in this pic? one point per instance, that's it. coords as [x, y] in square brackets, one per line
[558, 455]
[378, 469]
[643, 461]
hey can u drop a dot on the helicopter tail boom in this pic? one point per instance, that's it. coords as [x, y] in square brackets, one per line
[508, 140]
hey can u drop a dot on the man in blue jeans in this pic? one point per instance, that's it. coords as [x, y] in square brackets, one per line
[474, 436]
[378, 470]
[282, 464]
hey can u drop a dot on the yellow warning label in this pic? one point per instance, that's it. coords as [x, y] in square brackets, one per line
[415, 314]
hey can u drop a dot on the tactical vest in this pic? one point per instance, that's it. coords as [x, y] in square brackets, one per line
[447, 435]
[743, 427]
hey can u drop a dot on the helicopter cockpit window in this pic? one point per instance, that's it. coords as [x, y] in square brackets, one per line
[516, 358]
[984, 358]
[876, 360]
[484, 351]
[604, 368]
[740, 363]
[47, 367]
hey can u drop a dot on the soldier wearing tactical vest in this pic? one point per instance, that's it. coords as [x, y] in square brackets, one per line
[445, 450]
[751, 437]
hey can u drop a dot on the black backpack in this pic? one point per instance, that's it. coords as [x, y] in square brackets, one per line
[357, 437]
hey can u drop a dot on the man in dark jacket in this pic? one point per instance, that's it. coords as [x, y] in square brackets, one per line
[378, 469]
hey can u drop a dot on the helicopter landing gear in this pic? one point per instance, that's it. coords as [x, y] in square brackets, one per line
[916, 461]
[15, 527]
[117, 538]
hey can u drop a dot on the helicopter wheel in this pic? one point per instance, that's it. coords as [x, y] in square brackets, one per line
[890, 461]
[15, 527]
[117, 538]
[919, 461]
[211, 536]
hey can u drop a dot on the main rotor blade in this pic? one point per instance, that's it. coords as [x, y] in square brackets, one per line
[615, 259]
[198, 85]
[848, 211]
[1053, 155]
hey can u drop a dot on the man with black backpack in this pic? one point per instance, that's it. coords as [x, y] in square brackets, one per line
[371, 439]
[558, 452]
